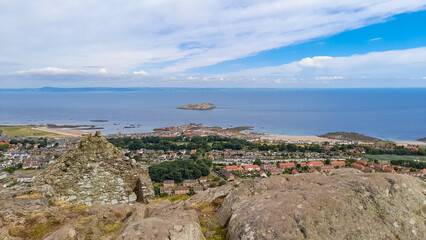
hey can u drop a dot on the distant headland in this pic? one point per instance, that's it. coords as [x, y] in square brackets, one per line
[350, 136]
[201, 106]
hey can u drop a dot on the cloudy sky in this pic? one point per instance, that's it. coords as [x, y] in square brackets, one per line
[213, 43]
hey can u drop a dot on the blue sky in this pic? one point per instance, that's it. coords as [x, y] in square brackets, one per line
[401, 31]
[213, 43]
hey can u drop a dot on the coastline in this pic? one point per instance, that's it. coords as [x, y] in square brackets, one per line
[243, 133]
[277, 137]
[61, 131]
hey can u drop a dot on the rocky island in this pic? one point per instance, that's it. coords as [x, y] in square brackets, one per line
[201, 106]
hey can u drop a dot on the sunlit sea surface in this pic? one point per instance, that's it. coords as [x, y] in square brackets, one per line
[393, 114]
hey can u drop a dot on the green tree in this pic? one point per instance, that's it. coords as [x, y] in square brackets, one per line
[257, 162]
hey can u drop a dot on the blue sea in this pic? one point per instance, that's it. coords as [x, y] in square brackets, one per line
[392, 114]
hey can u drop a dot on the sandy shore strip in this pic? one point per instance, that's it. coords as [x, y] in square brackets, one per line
[297, 138]
[62, 131]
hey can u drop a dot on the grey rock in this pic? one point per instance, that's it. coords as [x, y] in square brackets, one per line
[99, 169]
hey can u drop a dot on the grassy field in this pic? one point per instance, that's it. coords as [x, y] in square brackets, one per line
[387, 157]
[26, 131]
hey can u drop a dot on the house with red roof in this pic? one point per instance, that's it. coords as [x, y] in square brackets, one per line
[251, 168]
[237, 168]
[263, 174]
[294, 171]
[412, 148]
[287, 165]
[358, 166]
[338, 163]
[315, 164]
[389, 169]
[302, 164]
[362, 162]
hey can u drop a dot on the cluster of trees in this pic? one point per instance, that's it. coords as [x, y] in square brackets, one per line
[4, 147]
[179, 170]
[409, 163]
[41, 141]
[177, 143]
[14, 168]
[398, 150]
[206, 144]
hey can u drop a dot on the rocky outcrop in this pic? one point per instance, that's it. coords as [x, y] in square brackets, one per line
[163, 220]
[201, 106]
[422, 140]
[345, 205]
[96, 172]
[30, 216]
[350, 136]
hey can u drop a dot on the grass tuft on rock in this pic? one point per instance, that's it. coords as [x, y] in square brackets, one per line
[112, 229]
[79, 208]
[31, 196]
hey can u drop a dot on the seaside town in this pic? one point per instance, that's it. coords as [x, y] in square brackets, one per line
[229, 156]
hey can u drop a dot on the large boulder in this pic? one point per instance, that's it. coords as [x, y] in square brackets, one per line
[346, 205]
[163, 220]
[96, 172]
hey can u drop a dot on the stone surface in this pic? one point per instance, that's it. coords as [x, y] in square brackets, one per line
[346, 205]
[163, 220]
[96, 172]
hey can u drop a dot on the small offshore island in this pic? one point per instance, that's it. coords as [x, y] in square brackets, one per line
[201, 106]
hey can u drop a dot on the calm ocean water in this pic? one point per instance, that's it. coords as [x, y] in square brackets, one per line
[394, 114]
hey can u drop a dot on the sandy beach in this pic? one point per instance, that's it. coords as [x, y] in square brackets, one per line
[62, 131]
[297, 138]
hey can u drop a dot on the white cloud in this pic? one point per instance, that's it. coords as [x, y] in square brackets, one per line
[397, 64]
[192, 78]
[375, 39]
[49, 70]
[140, 72]
[314, 62]
[103, 71]
[168, 35]
[329, 78]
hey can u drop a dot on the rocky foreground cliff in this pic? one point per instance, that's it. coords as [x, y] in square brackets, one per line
[345, 205]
